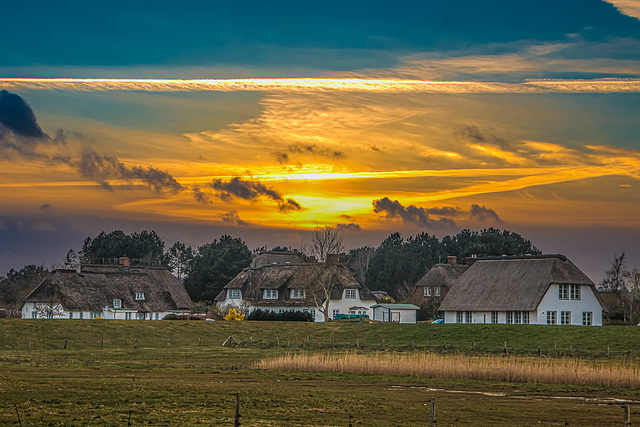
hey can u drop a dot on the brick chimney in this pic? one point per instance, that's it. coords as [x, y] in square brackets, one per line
[470, 260]
[452, 259]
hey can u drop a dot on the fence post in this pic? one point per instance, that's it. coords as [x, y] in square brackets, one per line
[65, 345]
[168, 342]
[135, 343]
[199, 341]
[357, 342]
[505, 347]
[236, 420]
[18, 414]
[277, 341]
[101, 343]
[627, 415]
[445, 344]
[432, 420]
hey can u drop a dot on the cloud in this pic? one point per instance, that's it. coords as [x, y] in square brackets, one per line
[483, 214]
[390, 85]
[234, 218]
[46, 207]
[251, 190]
[17, 116]
[410, 214]
[20, 133]
[627, 7]
[102, 168]
[352, 227]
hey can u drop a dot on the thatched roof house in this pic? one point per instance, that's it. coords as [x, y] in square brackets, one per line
[437, 282]
[536, 285]
[295, 286]
[108, 291]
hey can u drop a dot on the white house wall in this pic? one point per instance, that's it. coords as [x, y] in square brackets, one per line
[588, 302]
[28, 310]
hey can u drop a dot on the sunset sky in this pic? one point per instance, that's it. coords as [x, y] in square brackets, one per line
[263, 120]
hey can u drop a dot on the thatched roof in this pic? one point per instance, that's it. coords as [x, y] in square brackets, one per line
[95, 287]
[443, 275]
[511, 283]
[270, 258]
[293, 276]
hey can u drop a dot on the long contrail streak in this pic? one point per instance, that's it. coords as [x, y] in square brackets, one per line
[314, 84]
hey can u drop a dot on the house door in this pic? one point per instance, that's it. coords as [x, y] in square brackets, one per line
[385, 316]
[395, 316]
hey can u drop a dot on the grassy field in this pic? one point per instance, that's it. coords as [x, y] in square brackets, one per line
[155, 373]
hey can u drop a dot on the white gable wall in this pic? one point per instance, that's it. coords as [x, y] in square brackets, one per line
[588, 302]
[29, 311]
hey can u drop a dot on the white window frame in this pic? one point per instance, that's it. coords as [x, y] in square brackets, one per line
[127, 315]
[494, 317]
[525, 317]
[459, 317]
[565, 317]
[234, 294]
[139, 296]
[297, 294]
[427, 291]
[468, 317]
[552, 317]
[117, 303]
[509, 320]
[517, 317]
[587, 318]
[81, 315]
[335, 312]
[563, 291]
[71, 315]
[157, 316]
[270, 294]
[436, 291]
[349, 292]
[574, 292]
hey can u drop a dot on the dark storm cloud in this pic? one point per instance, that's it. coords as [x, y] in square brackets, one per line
[483, 214]
[410, 214]
[251, 190]
[353, 227]
[102, 168]
[20, 134]
[201, 196]
[17, 116]
[46, 207]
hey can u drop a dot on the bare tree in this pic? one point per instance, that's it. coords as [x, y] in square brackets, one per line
[48, 310]
[324, 241]
[321, 284]
[615, 279]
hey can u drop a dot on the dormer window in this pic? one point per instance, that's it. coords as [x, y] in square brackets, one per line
[350, 293]
[139, 296]
[270, 294]
[234, 294]
[117, 303]
[297, 293]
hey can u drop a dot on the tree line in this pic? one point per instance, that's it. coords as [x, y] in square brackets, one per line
[395, 264]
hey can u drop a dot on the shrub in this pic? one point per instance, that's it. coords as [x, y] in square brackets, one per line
[170, 316]
[291, 316]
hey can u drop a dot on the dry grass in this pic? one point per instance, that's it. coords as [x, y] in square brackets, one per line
[505, 369]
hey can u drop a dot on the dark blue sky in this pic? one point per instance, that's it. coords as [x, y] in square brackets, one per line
[332, 35]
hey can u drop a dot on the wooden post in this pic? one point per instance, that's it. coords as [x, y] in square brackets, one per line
[607, 351]
[18, 414]
[350, 418]
[29, 344]
[308, 341]
[135, 343]
[199, 341]
[277, 341]
[383, 344]
[250, 341]
[445, 344]
[168, 342]
[505, 347]
[101, 343]
[570, 350]
[432, 420]
[236, 420]
[65, 345]
[357, 342]
[288, 344]
[539, 350]
[627, 415]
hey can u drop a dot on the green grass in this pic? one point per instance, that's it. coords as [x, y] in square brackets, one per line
[189, 384]
[623, 341]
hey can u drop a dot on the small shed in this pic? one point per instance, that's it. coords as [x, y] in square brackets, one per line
[396, 313]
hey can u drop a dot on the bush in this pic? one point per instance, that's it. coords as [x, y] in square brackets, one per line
[170, 316]
[290, 316]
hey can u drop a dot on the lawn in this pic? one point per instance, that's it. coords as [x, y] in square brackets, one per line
[177, 373]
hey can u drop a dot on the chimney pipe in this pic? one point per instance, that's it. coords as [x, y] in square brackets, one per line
[452, 259]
